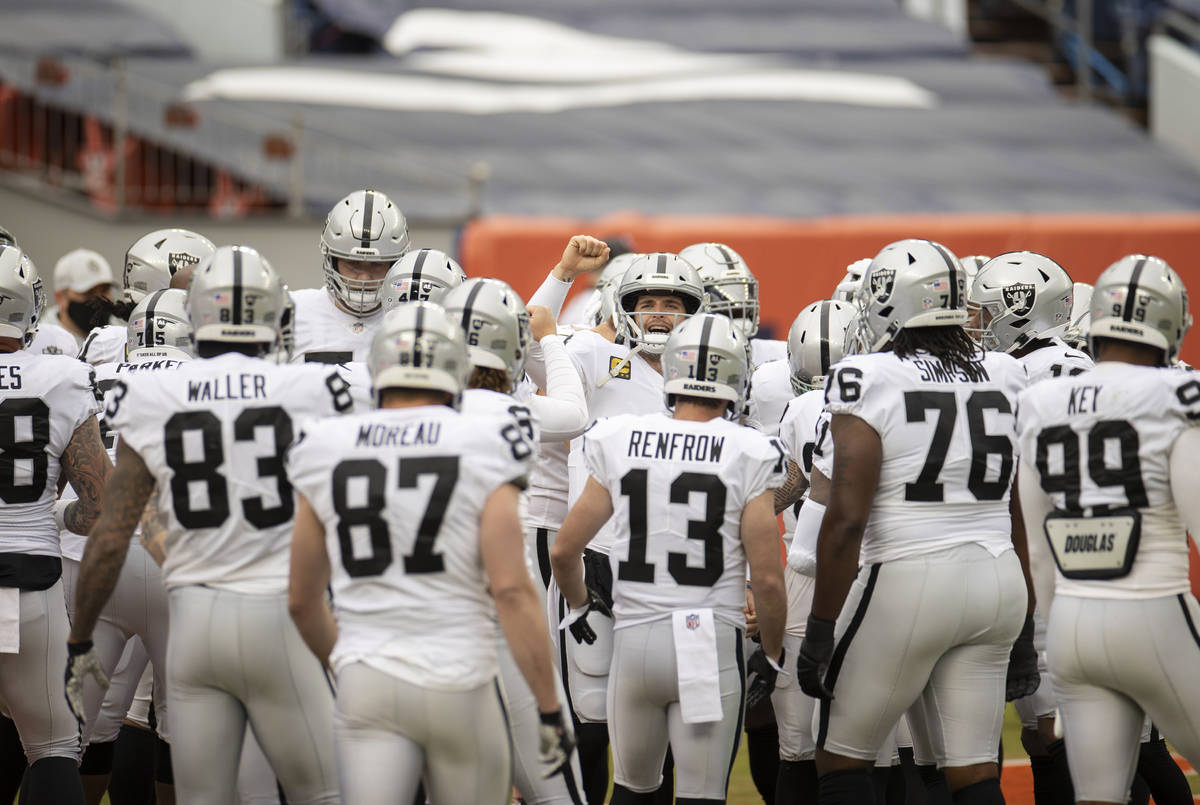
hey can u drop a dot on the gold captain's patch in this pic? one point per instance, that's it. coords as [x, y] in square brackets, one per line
[614, 362]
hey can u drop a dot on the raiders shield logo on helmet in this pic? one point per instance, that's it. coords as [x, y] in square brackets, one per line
[1019, 298]
[178, 260]
[881, 284]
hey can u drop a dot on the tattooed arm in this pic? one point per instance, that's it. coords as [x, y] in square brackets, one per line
[154, 529]
[125, 496]
[85, 464]
[792, 488]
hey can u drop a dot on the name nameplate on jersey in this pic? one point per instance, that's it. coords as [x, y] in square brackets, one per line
[1094, 547]
[626, 367]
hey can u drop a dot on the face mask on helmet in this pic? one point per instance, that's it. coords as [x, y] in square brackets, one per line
[657, 292]
[729, 284]
[816, 341]
[367, 228]
[1017, 298]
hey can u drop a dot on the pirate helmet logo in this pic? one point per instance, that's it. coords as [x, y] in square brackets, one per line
[882, 282]
[1018, 298]
[178, 260]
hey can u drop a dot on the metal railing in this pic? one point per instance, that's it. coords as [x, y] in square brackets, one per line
[123, 140]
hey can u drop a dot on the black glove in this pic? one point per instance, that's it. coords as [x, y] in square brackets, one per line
[1023, 675]
[580, 630]
[555, 742]
[815, 653]
[761, 677]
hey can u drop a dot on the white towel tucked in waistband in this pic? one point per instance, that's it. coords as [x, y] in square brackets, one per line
[10, 620]
[696, 665]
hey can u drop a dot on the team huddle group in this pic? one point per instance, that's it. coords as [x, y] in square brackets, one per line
[406, 538]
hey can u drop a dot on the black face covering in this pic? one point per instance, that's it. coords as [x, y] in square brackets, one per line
[90, 314]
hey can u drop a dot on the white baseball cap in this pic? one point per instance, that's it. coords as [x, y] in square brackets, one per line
[81, 270]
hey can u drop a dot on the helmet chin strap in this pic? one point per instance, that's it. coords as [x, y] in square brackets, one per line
[616, 370]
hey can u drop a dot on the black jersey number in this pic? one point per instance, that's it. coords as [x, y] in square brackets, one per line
[107, 435]
[1064, 441]
[204, 467]
[423, 559]
[928, 487]
[708, 530]
[14, 448]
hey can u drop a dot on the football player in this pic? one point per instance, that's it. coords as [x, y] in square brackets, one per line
[1023, 303]
[496, 326]
[418, 695]
[816, 341]
[83, 291]
[678, 670]
[1107, 476]
[923, 436]
[658, 292]
[733, 291]
[365, 234]
[48, 430]
[208, 438]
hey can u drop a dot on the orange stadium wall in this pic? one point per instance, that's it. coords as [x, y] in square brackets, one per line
[799, 261]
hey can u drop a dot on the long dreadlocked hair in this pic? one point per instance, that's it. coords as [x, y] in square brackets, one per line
[949, 344]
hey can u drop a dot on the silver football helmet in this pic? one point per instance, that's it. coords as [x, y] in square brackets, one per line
[659, 273]
[154, 258]
[21, 295]
[1141, 299]
[495, 322]
[421, 276]
[1021, 296]
[731, 287]
[816, 341]
[911, 283]
[364, 226]
[159, 327]
[1076, 334]
[602, 306]
[419, 346]
[849, 284]
[235, 297]
[971, 264]
[707, 356]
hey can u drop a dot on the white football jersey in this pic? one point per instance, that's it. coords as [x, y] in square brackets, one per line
[678, 490]
[635, 388]
[764, 350]
[770, 392]
[43, 400]
[214, 433]
[1102, 441]
[948, 449]
[105, 378]
[1055, 360]
[104, 345]
[401, 492]
[327, 334]
[50, 339]
[798, 429]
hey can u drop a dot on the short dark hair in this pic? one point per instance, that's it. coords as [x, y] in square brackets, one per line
[406, 394]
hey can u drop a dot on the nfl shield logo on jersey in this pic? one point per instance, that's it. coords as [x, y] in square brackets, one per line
[881, 284]
[692, 621]
[1019, 298]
